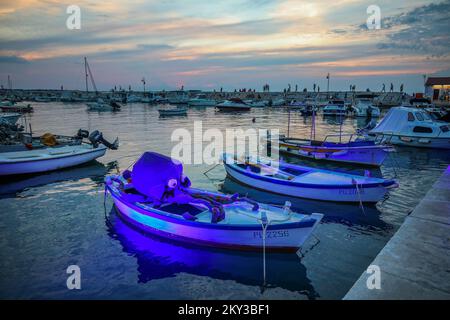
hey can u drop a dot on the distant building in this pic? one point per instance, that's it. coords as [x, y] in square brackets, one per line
[438, 88]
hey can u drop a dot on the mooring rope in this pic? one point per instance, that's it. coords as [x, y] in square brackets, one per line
[359, 196]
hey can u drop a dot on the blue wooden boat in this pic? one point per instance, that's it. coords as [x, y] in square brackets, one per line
[306, 182]
[155, 197]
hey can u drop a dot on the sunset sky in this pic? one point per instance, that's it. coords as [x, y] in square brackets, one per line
[230, 44]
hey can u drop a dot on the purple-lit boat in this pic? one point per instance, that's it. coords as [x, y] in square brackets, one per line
[155, 197]
[306, 182]
[352, 152]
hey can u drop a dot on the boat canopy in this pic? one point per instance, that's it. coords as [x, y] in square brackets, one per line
[154, 174]
[401, 119]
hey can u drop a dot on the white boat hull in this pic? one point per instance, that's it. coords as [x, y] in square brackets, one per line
[373, 194]
[279, 239]
[11, 163]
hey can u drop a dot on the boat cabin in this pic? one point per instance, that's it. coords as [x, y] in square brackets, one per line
[410, 121]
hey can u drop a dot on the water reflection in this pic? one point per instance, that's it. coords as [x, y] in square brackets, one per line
[159, 258]
[347, 214]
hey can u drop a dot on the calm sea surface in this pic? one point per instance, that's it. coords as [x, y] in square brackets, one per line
[51, 221]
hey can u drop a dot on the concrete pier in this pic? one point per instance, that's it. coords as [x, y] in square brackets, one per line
[415, 263]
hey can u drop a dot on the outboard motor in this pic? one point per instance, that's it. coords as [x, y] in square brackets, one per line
[96, 137]
[82, 134]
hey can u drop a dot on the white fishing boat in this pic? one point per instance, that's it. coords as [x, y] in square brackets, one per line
[256, 104]
[335, 108]
[278, 102]
[178, 97]
[233, 104]
[160, 201]
[306, 182]
[364, 107]
[10, 118]
[409, 126]
[38, 156]
[133, 98]
[102, 105]
[201, 100]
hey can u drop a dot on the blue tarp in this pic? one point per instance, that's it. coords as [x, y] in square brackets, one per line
[152, 172]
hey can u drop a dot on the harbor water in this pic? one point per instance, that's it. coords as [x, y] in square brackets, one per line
[57, 219]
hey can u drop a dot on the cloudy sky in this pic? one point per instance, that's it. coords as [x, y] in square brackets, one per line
[231, 44]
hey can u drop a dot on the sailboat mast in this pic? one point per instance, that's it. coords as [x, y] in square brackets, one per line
[86, 74]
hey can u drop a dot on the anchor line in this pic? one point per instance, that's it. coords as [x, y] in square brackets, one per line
[359, 196]
[209, 170]
[395, 164]
[108, 222]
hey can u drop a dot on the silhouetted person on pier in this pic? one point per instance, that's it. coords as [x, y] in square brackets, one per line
[314, 87]
[384, 88]
[392, 87]
[318, 89]
[296, 88]
[401, 88]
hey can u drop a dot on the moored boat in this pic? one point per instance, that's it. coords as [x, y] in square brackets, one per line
[102, 105]
[364, 107]
[172, 112]
[17, 108]
[10, 118]
[201, 100]
[156, 198]
[413, 127]
[335, 108]
[233, 104]
[50, 152]
[351, 152]
[306, 182]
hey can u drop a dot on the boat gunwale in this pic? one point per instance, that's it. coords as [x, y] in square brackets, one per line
[59, 156]
[307, 222]
[385, 183]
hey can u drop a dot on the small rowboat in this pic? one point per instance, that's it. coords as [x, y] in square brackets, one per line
[17, 108]
[62, 152]
[172, 112]
[306, 182]
[47, 159]
[157, 198]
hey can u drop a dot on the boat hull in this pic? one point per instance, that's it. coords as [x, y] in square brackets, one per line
[370, 156]
[416, 142]
[43, 165]
[279, 238]
[332, 193]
